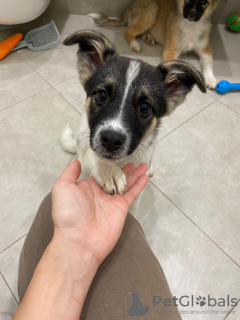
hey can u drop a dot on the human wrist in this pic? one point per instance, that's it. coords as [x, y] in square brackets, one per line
[75, 255]
[61, 282]
[71, 268]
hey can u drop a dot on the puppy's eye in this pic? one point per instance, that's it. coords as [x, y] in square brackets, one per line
[101, 96]
[204, 2]
[145, 109]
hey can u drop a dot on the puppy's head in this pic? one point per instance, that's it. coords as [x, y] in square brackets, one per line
[126, 98]
[194, 10]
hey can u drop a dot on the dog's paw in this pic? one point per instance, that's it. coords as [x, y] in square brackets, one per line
[112, 180]
[148, 39]
[150, 171]
[135, 46]
[210, 80]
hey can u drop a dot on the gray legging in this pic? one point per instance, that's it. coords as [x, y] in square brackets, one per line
[130, 282]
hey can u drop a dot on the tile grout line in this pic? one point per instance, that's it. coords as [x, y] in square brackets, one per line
[196, 225]
[35, 70]
[12, 243]
[52, 86]
[64, 81]
[13, 105]
[231, 310]
[229, 107]
[68, 101]
[185, 122]
[9, 288]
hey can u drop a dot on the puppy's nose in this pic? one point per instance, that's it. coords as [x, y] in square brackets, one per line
[192, 14]
[112, 141]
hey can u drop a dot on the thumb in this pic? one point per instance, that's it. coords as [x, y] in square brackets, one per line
[72, 172]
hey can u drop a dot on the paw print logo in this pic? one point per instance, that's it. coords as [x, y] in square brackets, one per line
[201, 301]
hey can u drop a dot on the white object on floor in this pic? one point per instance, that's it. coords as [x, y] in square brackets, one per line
[14, 12]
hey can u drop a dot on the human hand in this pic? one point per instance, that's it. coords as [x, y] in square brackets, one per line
[85, 216]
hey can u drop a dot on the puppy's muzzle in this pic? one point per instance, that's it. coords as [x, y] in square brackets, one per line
[112, 140]
[192, 15]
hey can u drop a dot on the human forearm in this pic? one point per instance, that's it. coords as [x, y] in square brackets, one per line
[87, 223]
[60, 283]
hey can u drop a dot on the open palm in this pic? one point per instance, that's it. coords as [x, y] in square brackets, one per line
[85, 215]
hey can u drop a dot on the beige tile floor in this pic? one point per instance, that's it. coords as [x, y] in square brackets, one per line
[190, 210]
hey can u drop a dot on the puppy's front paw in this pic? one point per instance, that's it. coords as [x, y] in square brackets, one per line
[135, 46]
[210, 80]
[150, 171]
[148, 39]
[112, 180]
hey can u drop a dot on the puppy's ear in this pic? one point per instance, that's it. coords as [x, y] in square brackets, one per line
[179, 78]
[94, 48]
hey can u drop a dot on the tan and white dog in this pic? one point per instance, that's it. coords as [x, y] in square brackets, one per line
[179, 25]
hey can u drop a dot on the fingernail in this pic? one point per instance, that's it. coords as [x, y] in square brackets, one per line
[72, 160]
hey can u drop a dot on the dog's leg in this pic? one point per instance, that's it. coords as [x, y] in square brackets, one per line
[170, 54]
[144, 18]
[148, 38]
[171, 50]
[150, 171]
[108, 175]
[67, 141]
[130, 36]
[103, 21]
[206, 60]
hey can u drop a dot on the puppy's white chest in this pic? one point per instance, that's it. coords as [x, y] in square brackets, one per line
[192, 35]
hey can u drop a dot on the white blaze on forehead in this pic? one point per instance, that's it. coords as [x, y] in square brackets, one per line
[132, 73]
[116, 123]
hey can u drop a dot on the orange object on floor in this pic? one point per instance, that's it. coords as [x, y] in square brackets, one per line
[7, 45]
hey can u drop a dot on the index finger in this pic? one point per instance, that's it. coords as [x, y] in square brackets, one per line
[134, 191]
[128, 169]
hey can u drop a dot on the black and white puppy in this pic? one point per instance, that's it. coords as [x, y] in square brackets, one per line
[126, 99]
